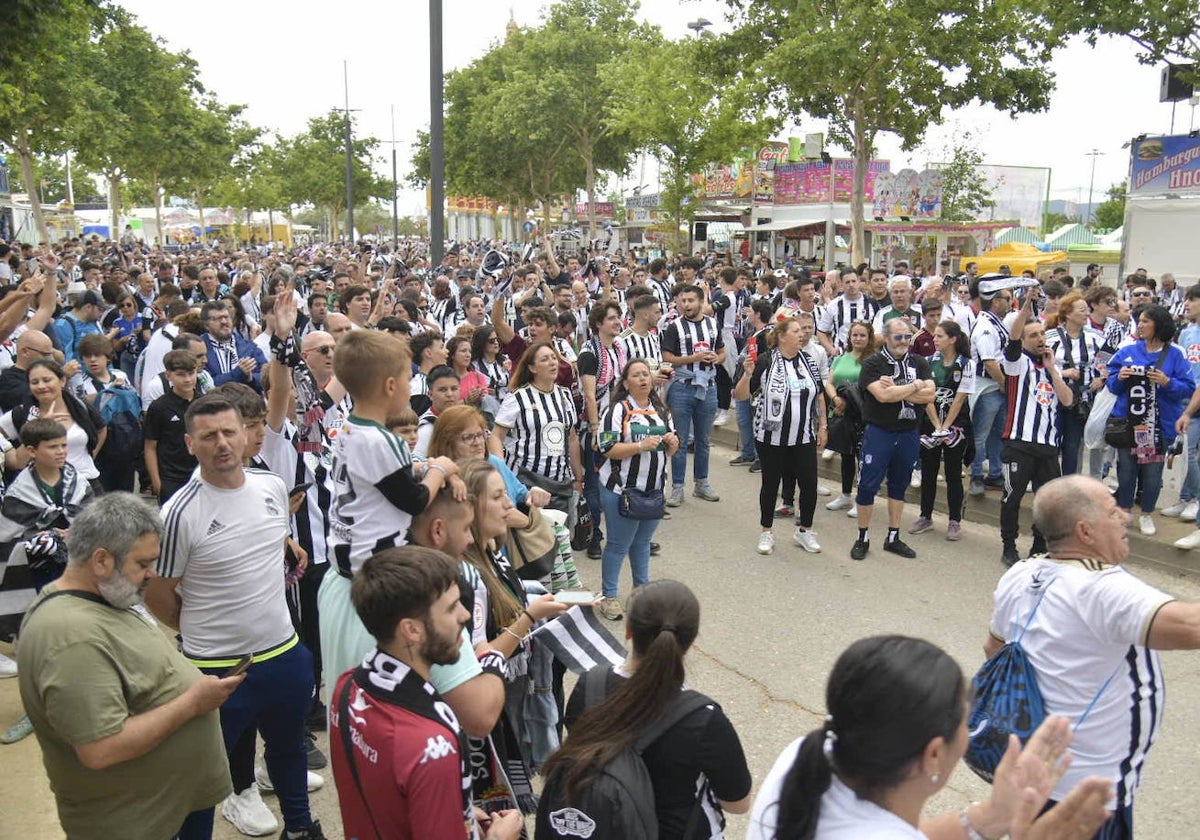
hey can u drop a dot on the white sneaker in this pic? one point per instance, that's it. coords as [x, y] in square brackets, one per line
[721, 419]
[248, 813]
[1191, 511]
[827, 455]
[1146, 525]
[823, 490]
[916, 481]
[1192, 540]
[853, 512]
[8, 667]
[840, 503]
[807, 540]
[766, 543]
[1176, 509]
[263, 779]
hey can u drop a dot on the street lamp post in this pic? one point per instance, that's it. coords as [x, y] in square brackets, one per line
[349, 158]
[437, 161]
[1093, 154]
[699, 25]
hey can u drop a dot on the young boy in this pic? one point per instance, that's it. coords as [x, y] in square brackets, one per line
[168, 460]
[404, 426]
[95, 351]
[43, 499]
[443, 392]
[376, 493]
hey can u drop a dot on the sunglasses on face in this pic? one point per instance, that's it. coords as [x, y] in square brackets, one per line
[324, 349]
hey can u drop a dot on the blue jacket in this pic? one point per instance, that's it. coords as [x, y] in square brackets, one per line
[1172, 397]
[244, 348]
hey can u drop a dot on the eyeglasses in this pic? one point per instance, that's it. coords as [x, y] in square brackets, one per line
[1110, 302]
[324, 349]
[904, 338]
[473, 437]
[493, 340]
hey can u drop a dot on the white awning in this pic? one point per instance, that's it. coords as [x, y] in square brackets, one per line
[788, 224]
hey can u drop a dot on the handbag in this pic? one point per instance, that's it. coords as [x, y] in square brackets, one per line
[1081, 405]
[560, 491]
[532, 550]
[1102, 406]
[642, 504]
[1118, 431]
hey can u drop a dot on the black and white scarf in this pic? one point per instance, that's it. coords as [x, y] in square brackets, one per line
[903, 372]
[389, 680]
[774, 391]
[1143, 413]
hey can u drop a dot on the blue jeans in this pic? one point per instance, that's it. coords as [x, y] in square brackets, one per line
[1128, 473]
[275, 698]
[591, 481]
[625, 536]
[988, 422]
[691, 415]
[745, 418]
[1191, 482]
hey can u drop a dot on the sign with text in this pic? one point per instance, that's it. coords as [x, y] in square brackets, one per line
[1165, 165]
[814, 182]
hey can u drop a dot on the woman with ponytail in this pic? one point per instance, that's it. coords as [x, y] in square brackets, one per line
[700, 752]
[895, 730]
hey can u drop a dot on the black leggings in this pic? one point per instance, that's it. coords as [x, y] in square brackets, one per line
[931, 460]
[798, 462]
[849, 471]
[724, 388]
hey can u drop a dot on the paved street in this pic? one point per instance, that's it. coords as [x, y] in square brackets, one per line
[770, 631]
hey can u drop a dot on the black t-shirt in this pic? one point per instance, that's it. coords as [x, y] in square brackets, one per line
[164, 423]
[703, 742]
[887, 415]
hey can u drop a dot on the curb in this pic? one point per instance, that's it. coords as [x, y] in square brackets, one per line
[1155, 551]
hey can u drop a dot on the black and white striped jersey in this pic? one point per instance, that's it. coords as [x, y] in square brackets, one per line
[1083, 352]
[786, 405]
[627, 422]
[840, 313]
[539, 425]
[443, 312]
[685, 337]
[497, 376]
[640, 346]
[1032, 410]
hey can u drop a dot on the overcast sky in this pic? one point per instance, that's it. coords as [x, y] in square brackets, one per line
[284, 61]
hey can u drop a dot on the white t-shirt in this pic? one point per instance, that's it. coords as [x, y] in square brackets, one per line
[843, 815]
[1091, 626]
[227, 546]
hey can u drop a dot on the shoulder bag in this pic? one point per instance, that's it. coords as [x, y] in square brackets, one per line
[1118, 431]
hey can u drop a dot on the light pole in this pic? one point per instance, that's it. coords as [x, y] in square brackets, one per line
[437, 160]
[349, 159]
[1093, 154]
[699, 25]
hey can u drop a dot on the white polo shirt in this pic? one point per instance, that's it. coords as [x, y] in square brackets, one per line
[1091, 627]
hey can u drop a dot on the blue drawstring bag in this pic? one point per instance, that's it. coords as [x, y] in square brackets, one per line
[1006, 701]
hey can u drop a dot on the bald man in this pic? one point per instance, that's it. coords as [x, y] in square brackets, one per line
[1094, 639]
[14, 381]
[337, 325]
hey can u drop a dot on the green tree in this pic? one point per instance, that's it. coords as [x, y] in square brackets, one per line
[51, 176]
[311, 170]
[46, 92]
[560, 81]
[668, 102]
[1110, 214]
[144, 108]
[966, 194]
[1164, 30]
[1054, 221]
[895, 67]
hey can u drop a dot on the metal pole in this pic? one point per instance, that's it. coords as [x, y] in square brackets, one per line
[830, 223]
[349, 160]
[395, 189]
[1091, 215]
[437, 162]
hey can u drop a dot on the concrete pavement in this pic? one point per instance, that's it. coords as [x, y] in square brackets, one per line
[771, 628]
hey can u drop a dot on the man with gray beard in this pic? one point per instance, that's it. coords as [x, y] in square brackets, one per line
[128, 728]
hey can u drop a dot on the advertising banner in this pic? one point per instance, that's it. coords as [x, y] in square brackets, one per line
[810, 182]
[1165, 165]
[908, 194]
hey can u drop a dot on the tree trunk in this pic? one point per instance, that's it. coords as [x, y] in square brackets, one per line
[26, 156]
[158, 225]
[862, 155]
[114, 205]
[200, 210]
[591, 190]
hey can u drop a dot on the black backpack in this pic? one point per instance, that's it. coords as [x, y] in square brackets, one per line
[619, 801]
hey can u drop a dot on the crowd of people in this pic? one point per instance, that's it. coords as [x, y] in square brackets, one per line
[349, 483]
